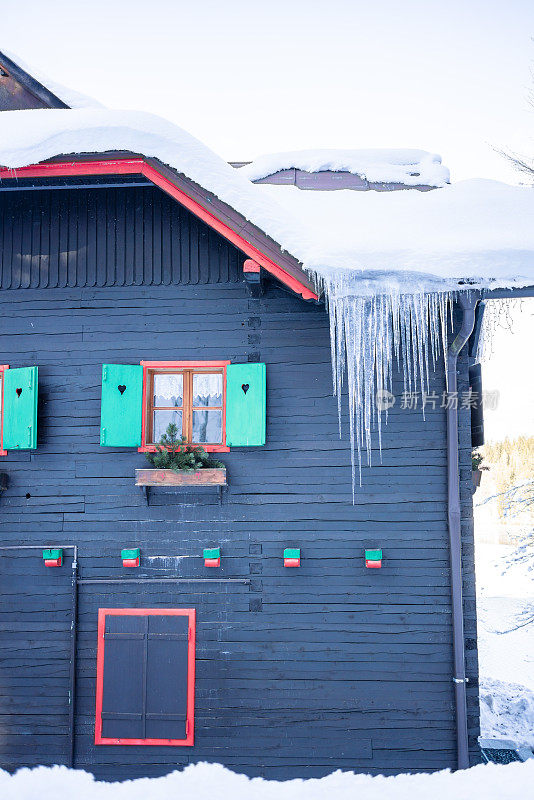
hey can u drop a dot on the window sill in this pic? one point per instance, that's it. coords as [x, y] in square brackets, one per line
[209, 448]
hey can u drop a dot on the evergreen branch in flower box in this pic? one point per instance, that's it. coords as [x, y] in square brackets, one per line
[173, 452]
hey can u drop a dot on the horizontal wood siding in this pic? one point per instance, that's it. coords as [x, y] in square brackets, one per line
[299, 671]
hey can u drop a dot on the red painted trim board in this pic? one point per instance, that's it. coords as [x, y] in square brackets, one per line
[141, 612]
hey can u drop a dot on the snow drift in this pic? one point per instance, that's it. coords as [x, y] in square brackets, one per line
[214, 782]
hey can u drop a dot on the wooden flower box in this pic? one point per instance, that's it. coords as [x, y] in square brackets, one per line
[170, 477]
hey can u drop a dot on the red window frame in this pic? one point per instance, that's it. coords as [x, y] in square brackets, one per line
[148, 365]
[141, 612]
[3, 368]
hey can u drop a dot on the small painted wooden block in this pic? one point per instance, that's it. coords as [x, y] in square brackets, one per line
[131, 557]
[373, 559]
[53, 557]
[212, 557]
[292, 557]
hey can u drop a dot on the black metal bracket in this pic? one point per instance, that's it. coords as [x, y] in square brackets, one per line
[254, 283]
[180, 489]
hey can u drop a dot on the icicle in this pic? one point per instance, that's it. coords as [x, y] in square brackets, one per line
[370, 334]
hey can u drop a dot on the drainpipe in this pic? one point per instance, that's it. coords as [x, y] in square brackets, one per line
[468, 305]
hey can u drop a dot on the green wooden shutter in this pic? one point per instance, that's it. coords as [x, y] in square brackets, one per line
[20, 408]
[245, 404]
[121, 407]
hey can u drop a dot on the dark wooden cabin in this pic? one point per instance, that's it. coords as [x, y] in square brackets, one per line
[270, 670]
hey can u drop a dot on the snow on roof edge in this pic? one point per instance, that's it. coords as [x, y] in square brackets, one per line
[356, 239]
[405, 166]
[70, 97]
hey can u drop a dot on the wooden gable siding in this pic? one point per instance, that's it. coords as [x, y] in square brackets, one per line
[299, 672]
[118, 236]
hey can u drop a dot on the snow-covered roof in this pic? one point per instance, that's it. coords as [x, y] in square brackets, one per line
[68, 96]
[479, 231]
[407, 167]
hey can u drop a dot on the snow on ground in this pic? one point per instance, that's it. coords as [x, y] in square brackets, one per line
[214, 782]
[409, 167]
[406, 241]
[506, 646]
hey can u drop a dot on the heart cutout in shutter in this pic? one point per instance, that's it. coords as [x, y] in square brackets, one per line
[121, 388]
[245, 387]
[19, 392]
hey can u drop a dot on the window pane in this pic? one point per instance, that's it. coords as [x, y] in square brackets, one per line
[168, 390]
[207, 389]
[207, 426]
[162, 419]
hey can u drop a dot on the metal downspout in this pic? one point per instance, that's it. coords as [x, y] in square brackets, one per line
[73, 653]
[468, 305]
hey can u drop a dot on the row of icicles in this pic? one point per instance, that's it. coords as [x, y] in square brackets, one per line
[371, 337]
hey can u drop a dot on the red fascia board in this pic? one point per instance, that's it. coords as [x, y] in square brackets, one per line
[143, 612]
[65, 169]
[139, 166]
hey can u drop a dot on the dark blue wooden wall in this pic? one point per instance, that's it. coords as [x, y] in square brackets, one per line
[299, 671]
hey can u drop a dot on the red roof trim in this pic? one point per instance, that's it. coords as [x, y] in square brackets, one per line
[139, 166]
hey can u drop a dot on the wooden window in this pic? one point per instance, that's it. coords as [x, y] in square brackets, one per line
[145, 676]
[190, 395]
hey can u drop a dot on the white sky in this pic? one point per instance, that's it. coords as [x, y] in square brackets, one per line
[508, 369]
[256, 76]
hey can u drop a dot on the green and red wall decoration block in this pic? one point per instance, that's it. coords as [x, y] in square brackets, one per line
[53, 557]
[131, 557]
[292, 557]
[212, 557]
[373, 558]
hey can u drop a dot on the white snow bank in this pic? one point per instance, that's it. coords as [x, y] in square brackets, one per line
[506, 710]
[505, 644]
[408, 167]
[479, 231]
[68, 96]
[214, 782]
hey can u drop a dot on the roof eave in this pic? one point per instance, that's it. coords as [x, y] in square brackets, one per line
[232, 225]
